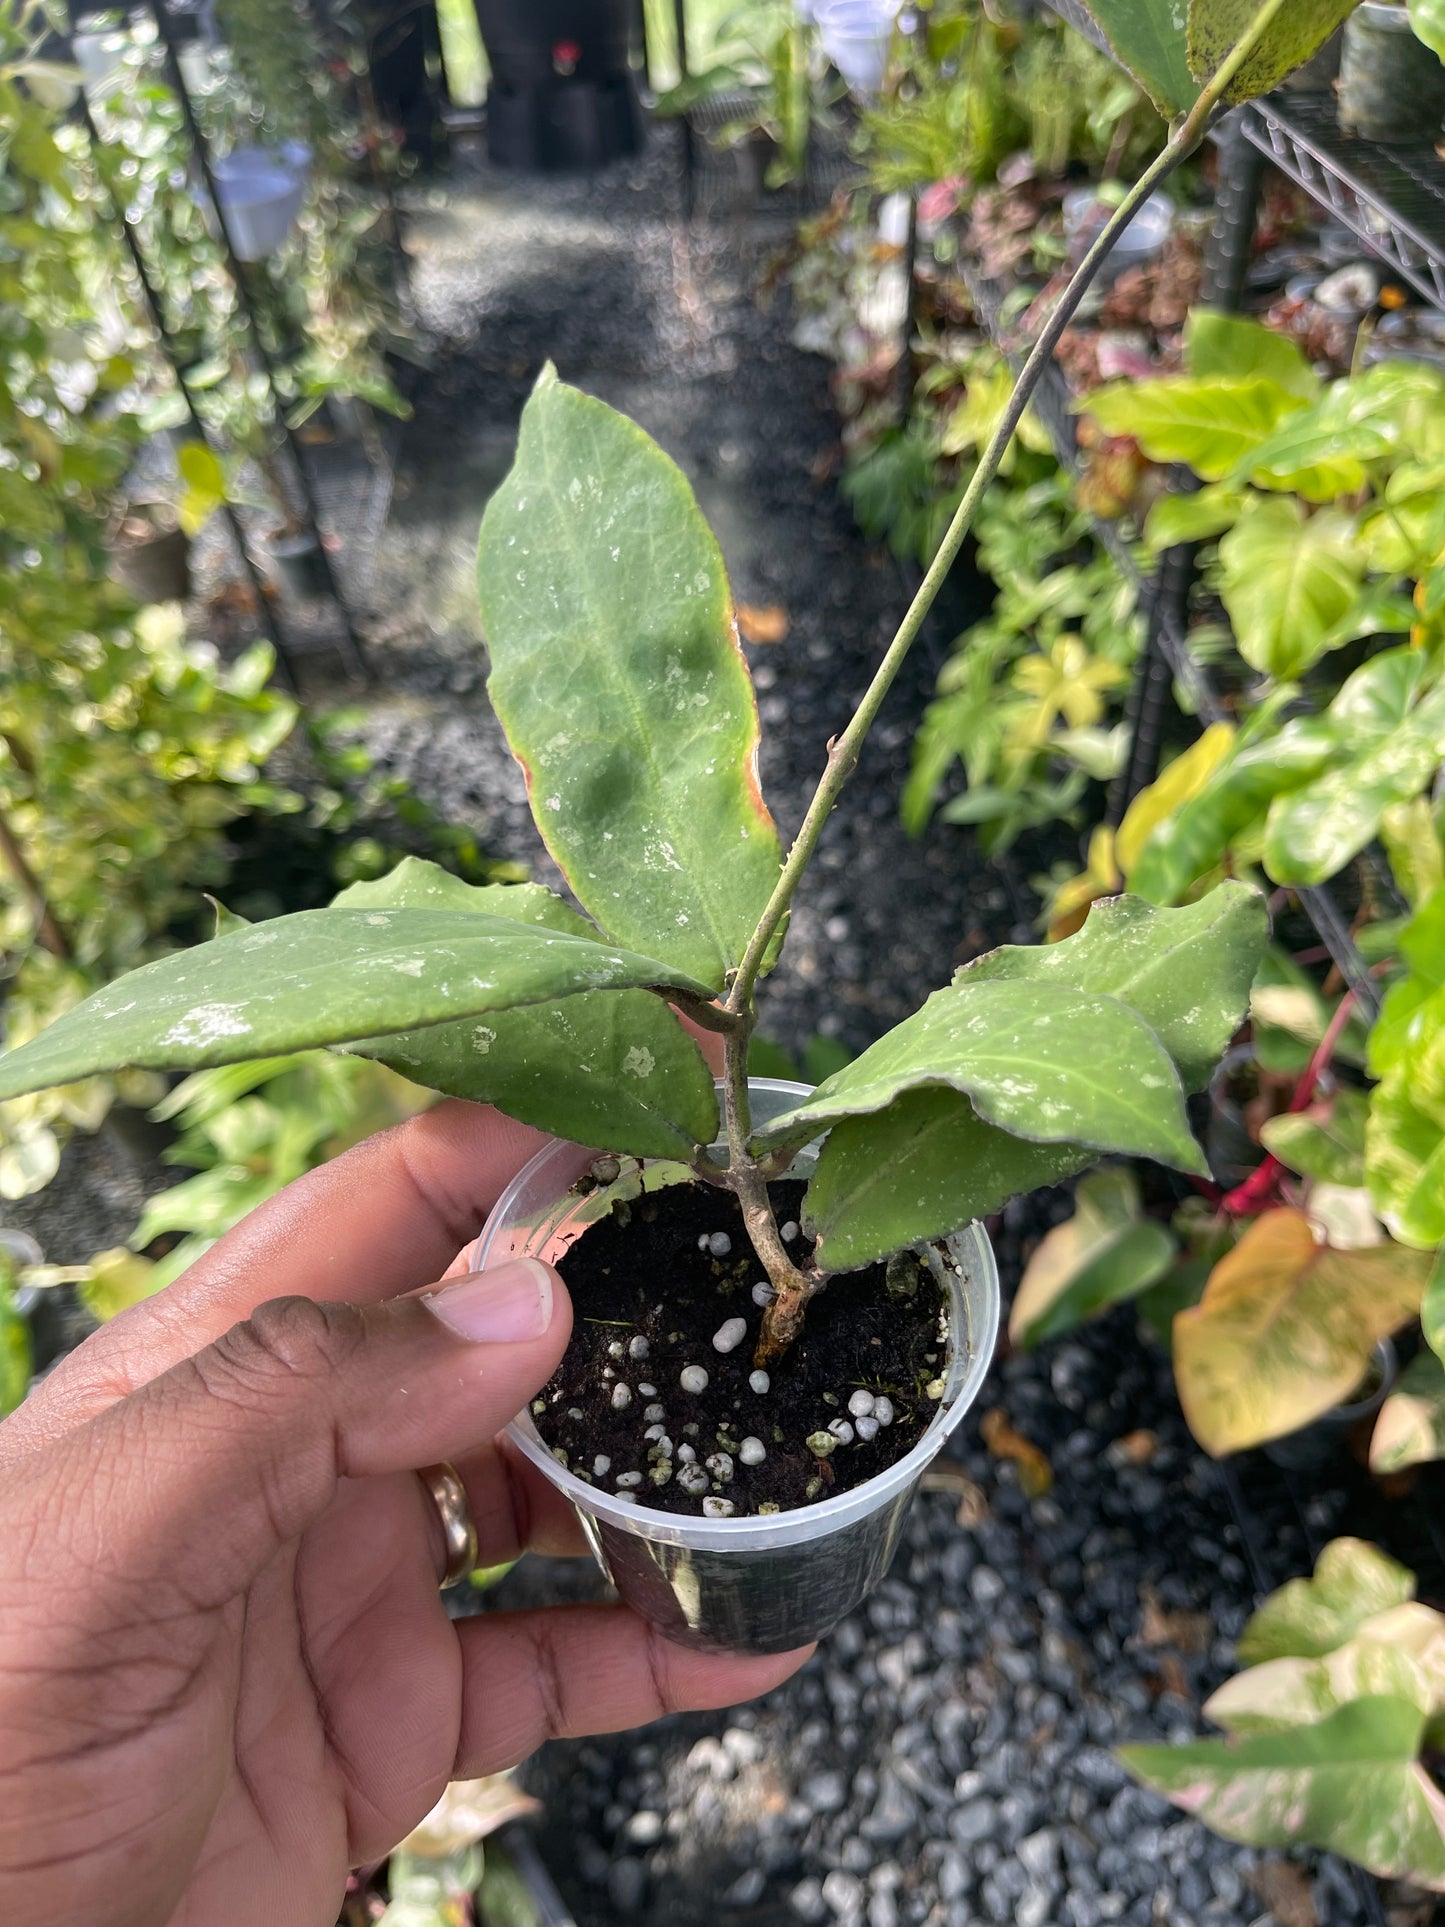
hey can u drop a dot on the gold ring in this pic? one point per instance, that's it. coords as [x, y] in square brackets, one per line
[459, 1529]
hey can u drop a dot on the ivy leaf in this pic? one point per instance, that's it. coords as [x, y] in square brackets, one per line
[1326, 1142]
[1107, 1252]
[617, 675]
[1219, 345]
[320, 977]
[1288, 581]
[613, 1069]
[1210, 424]
[1295, 34]
[1285, 1330]
[1145, 38]
[1352, 1582]
[1411, 1427]
[1351, 1783]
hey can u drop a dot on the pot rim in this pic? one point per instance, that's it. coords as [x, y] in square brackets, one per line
[751, 1533]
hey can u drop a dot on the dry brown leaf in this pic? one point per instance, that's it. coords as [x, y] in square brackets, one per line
[1036, 1475]
[1186, 1632]
[768, 623]
[1285, 1890]
[1135, 1448]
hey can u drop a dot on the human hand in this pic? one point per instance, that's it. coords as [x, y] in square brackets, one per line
[226, 1675]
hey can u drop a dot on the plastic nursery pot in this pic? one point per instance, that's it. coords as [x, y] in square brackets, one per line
[1316, 1444]
[1392, 89]
[1229, 1144]
[750, 1584]
[299, 565]
[1085, 214]
[260, 194]
[154, 565]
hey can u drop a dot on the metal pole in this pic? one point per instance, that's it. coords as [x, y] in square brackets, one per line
[159, 12]
[157, 318]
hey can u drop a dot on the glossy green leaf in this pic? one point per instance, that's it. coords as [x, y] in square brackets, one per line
[1212, 425]
[616, 672]
[1146, 39]
[320, 977]
[1106, 1253]
[1351, 1583]
[1408, 1009]
[919, 1170]
[1411, 1427]
[612, 1069]
[1316, 455]
[1351, 1783]
[1326, 1142]
[1427, 17]
[1296, 32]
[1288, 581]
[1218, 345]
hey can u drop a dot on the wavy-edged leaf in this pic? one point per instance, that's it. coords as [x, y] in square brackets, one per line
[1289, 582]
[320, 977]
[919, 1170]
[1352, 1583]
[1106, 1253]
[612, 1069]
[1146, 39]
[1351, 1783]
[1297, 32]
[617, 675]
[1327, 1141]
[1285, 1330]
[1210, 424]
[1411, 1427]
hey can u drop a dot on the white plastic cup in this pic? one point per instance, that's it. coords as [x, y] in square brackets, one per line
[260, 194]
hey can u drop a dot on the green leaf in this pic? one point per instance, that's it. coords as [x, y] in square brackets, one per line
[320, 977]
[1299, 1692]
[1352, 1582]
[1404, 1013]
[1288, 581]
[1315, 454]
[1145, 38]
[1432, 1307]
[1212, 425]
[1427, 17]
[1187, 972]
[1325, 1142]
[1192, 518]
[613, 1069]
[919, 1170]
[1297, 32]
[616, 672]
[1041, 1060]
[1405, 1140]
[1217, 345]
[118, 1279]
[16, 1363]
[1411, 1427]
[1352, 1784]
[1101, 1256]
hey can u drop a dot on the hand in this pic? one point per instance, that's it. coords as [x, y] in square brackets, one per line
[226, 1675]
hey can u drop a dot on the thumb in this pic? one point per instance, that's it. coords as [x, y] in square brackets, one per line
[207, 1471]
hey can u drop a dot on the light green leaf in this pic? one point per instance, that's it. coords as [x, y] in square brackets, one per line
[919, 1170]
[1432, 1307]
[320, 977]
[1145, 37]
[1295, 34]
[1411, 1427]
[1407, 1010]
[1192, 518]
[1041, 1060]
[16, 1363]
[1351, 1783]
[1299, 1692]
[1325, 1142]
[1352, 1582]
[1218, 344]
[118, 1279]
[1405, 1140]
[1316, 455]
[616, 672]
[1107, 1252]
[1212, 425]
[613, 1069]
[1288, 581]
[1427, 17]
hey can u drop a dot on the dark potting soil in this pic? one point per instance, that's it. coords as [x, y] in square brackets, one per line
[648, 1272]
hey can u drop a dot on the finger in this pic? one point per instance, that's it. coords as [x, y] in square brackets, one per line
[260, 1427]
[535, 1676]
[383, 1218]
[516, 1508]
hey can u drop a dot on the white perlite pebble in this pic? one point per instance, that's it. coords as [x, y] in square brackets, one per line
[702, 1242]
[729, 1336]
[759, 1381]
[720, 1464]
[867, 1429]
[655, 1432]
[575, 1412]
[629, 1497]
[861, 1404]
[715, 1508]
[653, 1413]
[614, 1349]
[600, 1465]
[883, 1410]
[647, 1391]
[752, 1451]
[686, 1454]
[628, 1479]
[621, 1397]
[842, 1431]
[790, 1231]
[692, 1378]
[763, 1293]
[693, 1479]
[720, 1244]
[638, 1347]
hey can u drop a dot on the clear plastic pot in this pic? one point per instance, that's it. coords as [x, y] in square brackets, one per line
[749, 1585]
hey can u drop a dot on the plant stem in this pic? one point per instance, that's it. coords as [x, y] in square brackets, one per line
[748, 1182]
[48, 932]
[843, 750]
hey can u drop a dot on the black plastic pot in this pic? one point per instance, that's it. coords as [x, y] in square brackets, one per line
[1315, 1445]
[1392, 89]
[1232, 1150]
[561, 93]
[299, 565]
[154, 567]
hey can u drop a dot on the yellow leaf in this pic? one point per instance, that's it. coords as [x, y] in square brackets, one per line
[766, 623]
[1185, 777]
[1100, 879]
[1285, 1330]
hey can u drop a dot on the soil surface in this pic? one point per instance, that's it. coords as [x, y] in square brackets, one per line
[655, 1395]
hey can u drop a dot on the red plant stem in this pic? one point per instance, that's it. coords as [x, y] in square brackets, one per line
[1246, 1199]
